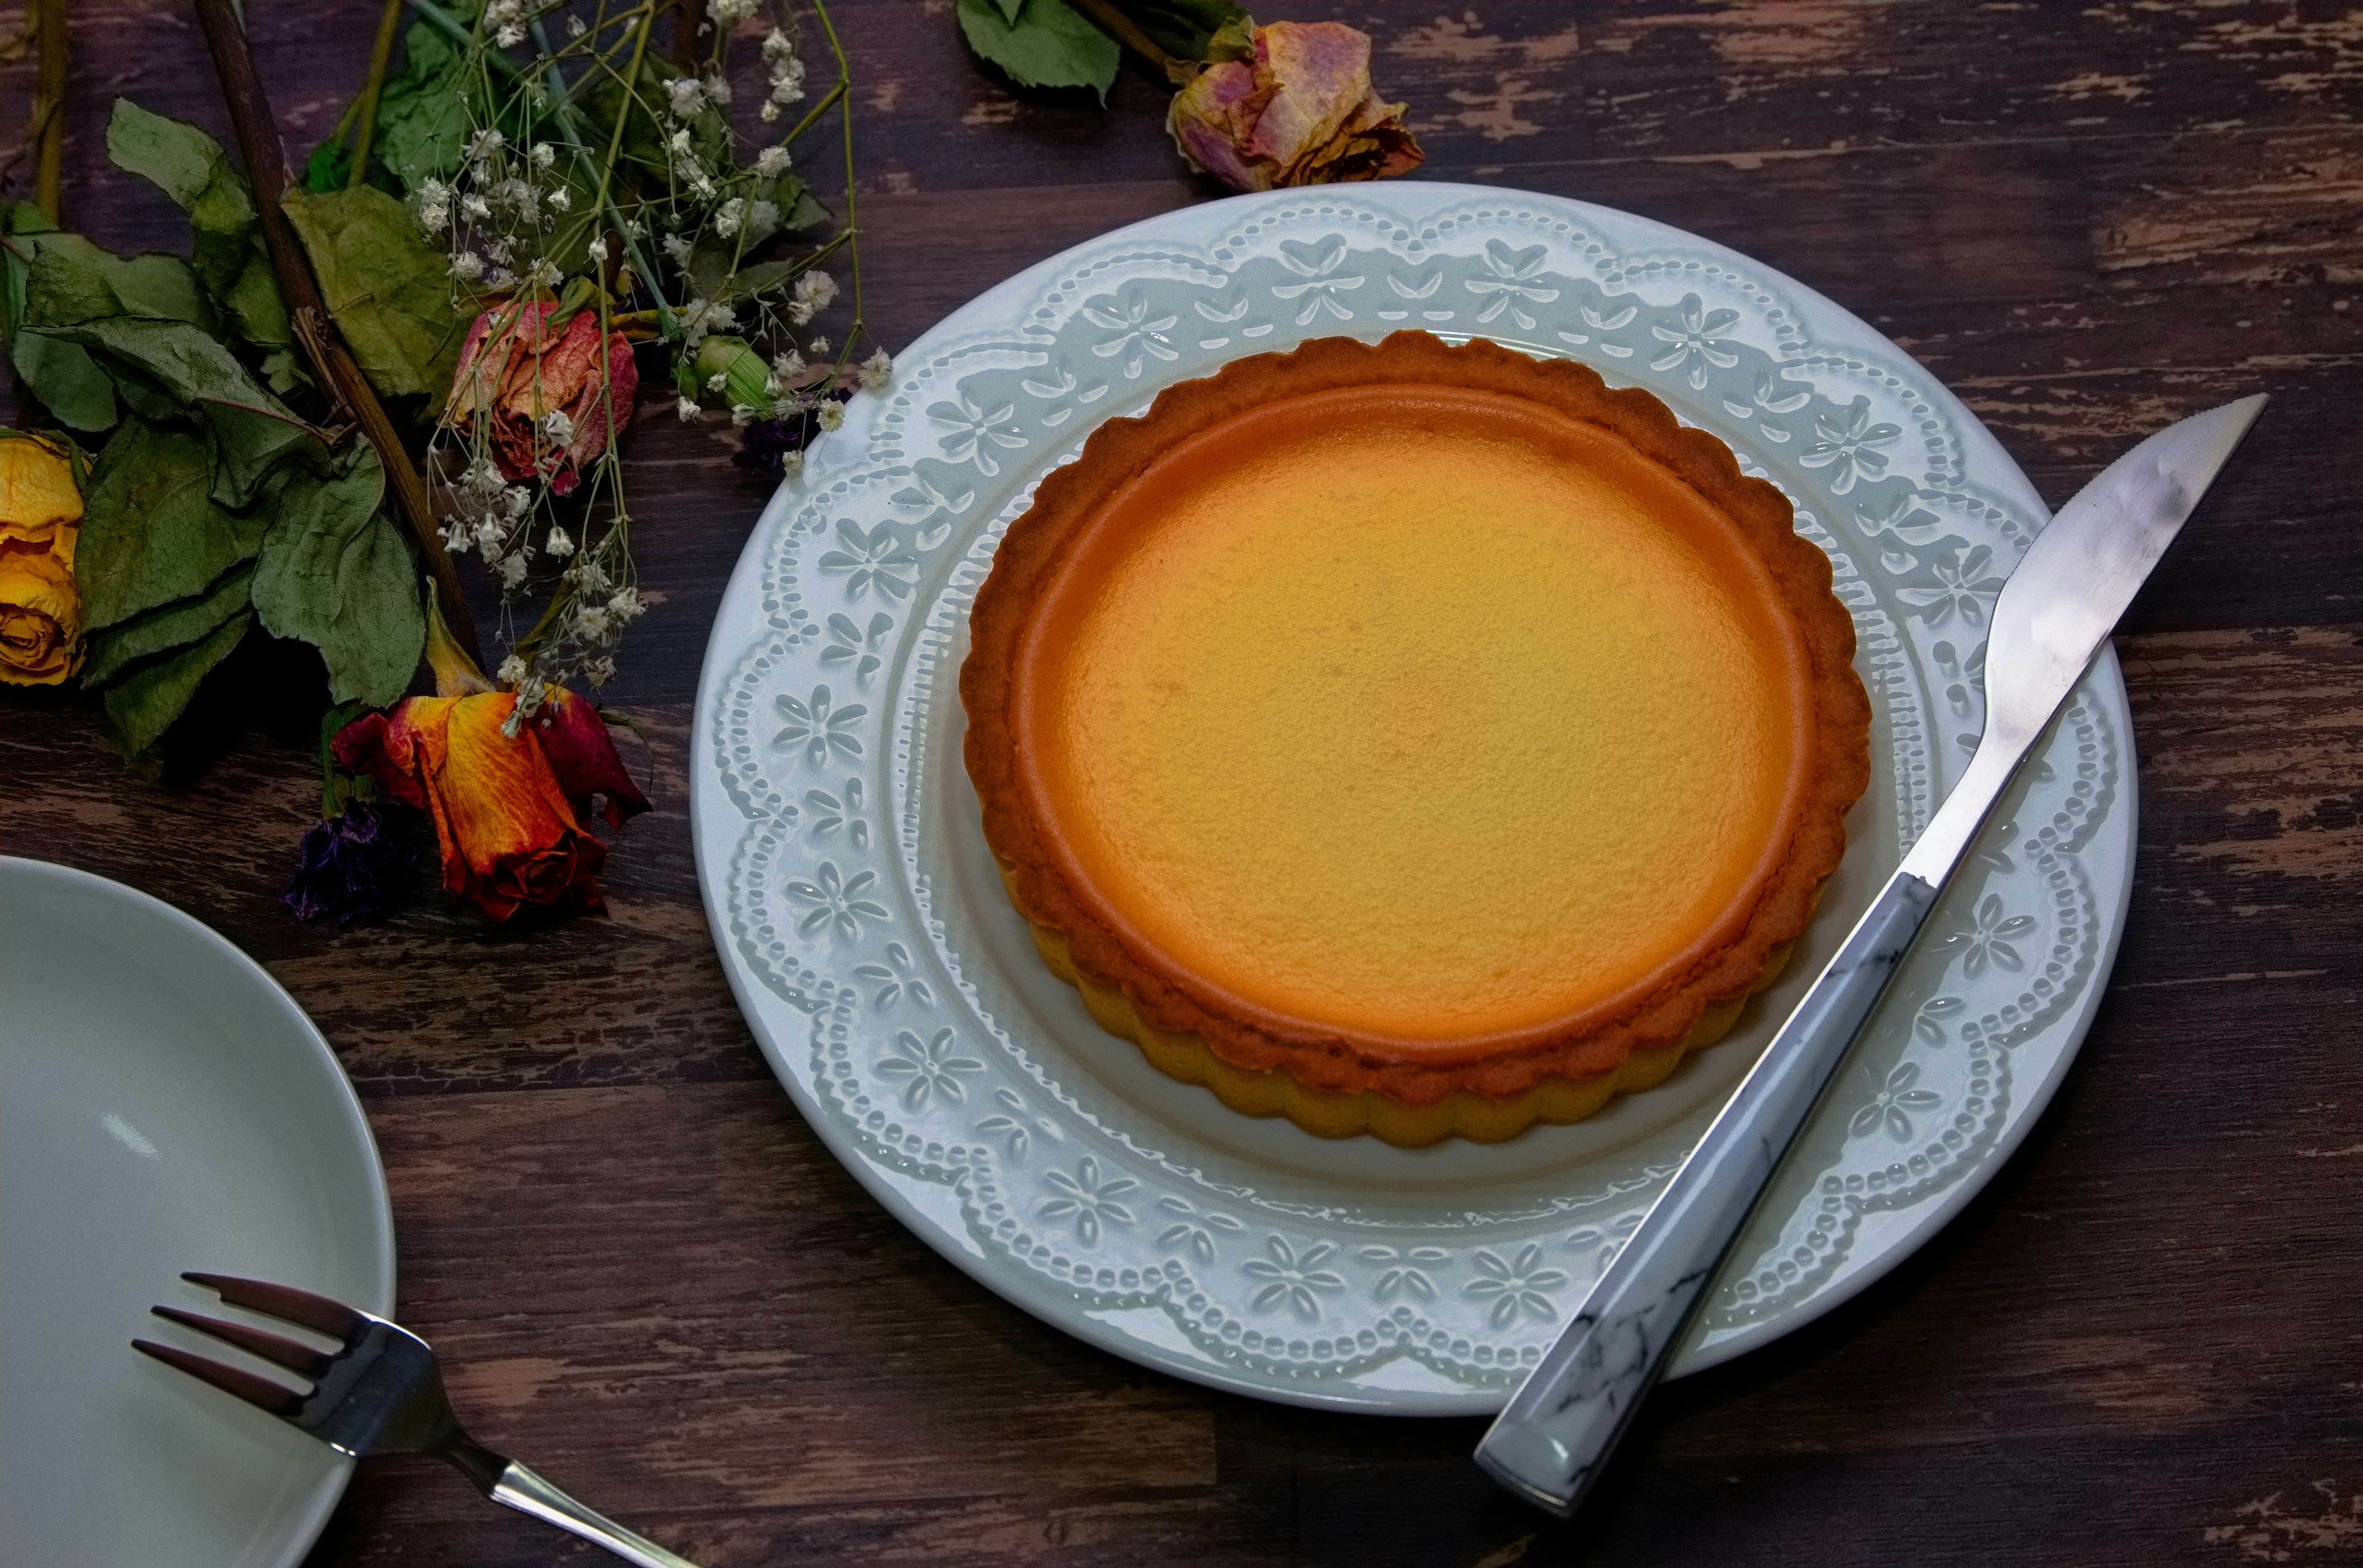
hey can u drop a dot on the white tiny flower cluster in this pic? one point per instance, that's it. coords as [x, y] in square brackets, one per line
[505, 19]
[492, 517]
[499, 214]
[701, 318]
[786, 69]
[814, 290]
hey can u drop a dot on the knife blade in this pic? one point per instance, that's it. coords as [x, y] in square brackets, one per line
[2075, 582]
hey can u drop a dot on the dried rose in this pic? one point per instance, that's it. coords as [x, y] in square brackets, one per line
[40, 520]
[509, 809]
[352, 867]
[1302, 112]
[552, 399]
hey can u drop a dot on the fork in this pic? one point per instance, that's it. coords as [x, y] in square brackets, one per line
[379, 1392]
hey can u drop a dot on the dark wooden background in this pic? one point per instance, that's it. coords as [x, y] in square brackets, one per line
[2141, 1345]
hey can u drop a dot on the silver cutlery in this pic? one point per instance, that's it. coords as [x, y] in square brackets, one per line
[379, 1392]
[1556, 1434]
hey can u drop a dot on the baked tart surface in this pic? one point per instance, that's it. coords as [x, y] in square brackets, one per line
[1412, 738]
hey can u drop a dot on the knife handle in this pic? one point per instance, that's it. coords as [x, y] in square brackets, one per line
[1556, 1434]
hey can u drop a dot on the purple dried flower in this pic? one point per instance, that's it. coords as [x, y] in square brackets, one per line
[353, 867]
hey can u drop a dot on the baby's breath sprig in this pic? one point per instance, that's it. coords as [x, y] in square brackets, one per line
[593, 194]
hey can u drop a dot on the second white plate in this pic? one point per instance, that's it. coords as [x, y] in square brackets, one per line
[898, 997]
[163, 1106]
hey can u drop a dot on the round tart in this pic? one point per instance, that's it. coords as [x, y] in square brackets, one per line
[1411, 740]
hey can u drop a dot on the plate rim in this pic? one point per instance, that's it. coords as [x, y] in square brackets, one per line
[313, 1518]
[1037, 1297]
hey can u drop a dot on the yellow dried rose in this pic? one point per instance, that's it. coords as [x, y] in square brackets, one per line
[1301, 111]
[41, 518]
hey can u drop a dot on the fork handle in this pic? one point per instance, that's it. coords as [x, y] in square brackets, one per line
[528, 1494]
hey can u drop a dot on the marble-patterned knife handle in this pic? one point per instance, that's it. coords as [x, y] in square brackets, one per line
[1556, 1433]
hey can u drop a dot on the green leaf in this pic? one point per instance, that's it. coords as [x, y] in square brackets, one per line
[62, 375]
[326, 170]
[1192, 29]
[282, 370]
[1048, 44]
[159, 631]
[255, 308]
[65, 378]
[152, 531]
[1009, 9]
[191, 167]
[168, 368]
[798, 209]
[187, 362]
[338, 574]
[753, 280]
[422, 111]
[74, 281]
[388, 289]
[143, 704]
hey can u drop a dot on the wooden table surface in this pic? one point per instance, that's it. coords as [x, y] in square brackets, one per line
[2141, 1344]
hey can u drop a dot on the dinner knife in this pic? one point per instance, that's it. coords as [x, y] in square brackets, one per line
[1554, 1436]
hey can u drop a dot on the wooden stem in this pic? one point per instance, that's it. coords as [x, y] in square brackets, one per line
[1121, 29]
[48, 107]
[266, 169]
[389, 23]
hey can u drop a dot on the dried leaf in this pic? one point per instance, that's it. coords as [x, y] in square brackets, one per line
[338, 574]
[62, 375]
[422, 111]
[143, 704]
[1048, 43]
[74, 281]
[388, 289]
[152, 531]
[170, 368]
[191, 167]
[177, 624]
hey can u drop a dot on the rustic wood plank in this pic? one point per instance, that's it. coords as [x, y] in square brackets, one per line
[653, 1281]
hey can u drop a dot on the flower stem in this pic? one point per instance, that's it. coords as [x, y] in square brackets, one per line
[380, 53]
[1120, 28]
[48, 107]
[850, 237]
[307, 310]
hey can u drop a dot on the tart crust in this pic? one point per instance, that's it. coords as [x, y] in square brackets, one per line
[1338, 1078]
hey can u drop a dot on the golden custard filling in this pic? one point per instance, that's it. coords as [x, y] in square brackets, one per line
[1421, 716]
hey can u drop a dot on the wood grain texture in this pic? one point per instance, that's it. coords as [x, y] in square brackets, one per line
[2139, 1346]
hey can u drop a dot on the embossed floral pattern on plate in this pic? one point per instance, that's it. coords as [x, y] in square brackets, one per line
[898, 996]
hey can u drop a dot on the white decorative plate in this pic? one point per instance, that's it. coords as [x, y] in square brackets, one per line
[897, 996]
[163, 1106]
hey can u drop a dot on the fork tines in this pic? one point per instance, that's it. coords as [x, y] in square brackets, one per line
[300, 1307]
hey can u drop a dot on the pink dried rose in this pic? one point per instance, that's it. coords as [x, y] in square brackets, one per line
[552, 399]
[1303, 112]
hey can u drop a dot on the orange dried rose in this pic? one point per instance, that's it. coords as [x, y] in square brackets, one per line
[41, 521]
[1303, 112]
[509, 809]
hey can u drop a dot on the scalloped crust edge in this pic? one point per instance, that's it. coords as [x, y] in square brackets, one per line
[1555, 1101]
